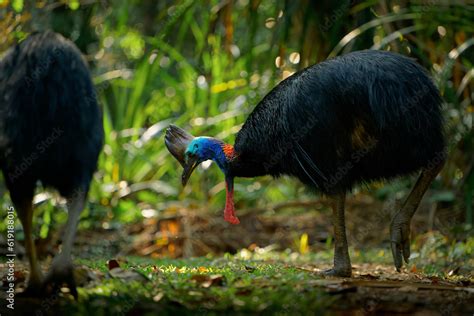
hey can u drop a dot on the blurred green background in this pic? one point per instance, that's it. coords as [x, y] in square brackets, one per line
[204, 65]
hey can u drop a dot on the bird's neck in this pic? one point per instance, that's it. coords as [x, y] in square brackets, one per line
[234, 164]
[223, 154]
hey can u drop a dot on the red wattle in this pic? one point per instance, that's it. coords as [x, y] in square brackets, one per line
[229, 212]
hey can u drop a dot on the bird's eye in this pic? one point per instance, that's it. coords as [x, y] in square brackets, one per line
[196, 146]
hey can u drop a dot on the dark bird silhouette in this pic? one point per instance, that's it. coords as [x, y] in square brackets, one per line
[50, 131]
[364, 116]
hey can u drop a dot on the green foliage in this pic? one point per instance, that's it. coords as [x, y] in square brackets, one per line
[205, 65]
[432, 255]
[193, 76]
[17, 5]
[436, 255]
[205, 286]
[266, 281]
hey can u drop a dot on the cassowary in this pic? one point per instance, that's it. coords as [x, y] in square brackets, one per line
[50, 131]
[365, 116]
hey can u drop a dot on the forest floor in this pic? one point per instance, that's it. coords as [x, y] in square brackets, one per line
[275, 266]
[255, 281]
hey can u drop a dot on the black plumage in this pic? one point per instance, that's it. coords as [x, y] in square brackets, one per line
[50, 130]
[364, 116]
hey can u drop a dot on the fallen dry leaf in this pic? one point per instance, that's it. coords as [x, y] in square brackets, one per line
[112, 264]
[369, 276]
[127, 275]
[158, 297]
[83, 275]
[206, 281]
[19, 277]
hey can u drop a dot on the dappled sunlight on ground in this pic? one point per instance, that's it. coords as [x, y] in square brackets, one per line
[263, 279]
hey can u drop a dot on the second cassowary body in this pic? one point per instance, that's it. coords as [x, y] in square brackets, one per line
[364, 116]
[50, 131]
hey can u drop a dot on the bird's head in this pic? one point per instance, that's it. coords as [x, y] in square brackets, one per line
[190, 151]
[201, 149]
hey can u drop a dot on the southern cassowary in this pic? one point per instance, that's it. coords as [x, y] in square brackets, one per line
[50, 131]
[364, 116]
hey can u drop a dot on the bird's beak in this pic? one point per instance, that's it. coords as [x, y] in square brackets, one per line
[191, 163]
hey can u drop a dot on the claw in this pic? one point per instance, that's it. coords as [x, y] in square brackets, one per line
[397, 260]
[338, 272]
[400, 237]
[406, 251]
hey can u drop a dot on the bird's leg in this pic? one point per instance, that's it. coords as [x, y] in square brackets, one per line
[342, 262]
[62, 268]
[25, 214]
[400, 224]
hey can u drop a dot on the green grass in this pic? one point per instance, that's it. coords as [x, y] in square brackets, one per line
[258, 281]
[261, 280]
[203, 286]
[180, 62]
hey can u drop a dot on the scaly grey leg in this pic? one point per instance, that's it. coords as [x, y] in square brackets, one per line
[400, 224]
[62, 270]
[342, 262]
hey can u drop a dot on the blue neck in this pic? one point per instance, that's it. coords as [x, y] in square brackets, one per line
[206, 148]
[217, 155]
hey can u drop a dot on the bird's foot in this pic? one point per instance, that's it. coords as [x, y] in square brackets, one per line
[60, 275]
[343, 272]
[400, 240]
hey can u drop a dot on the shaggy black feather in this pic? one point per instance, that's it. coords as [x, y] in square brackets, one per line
[364, 116]
[50, 123]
